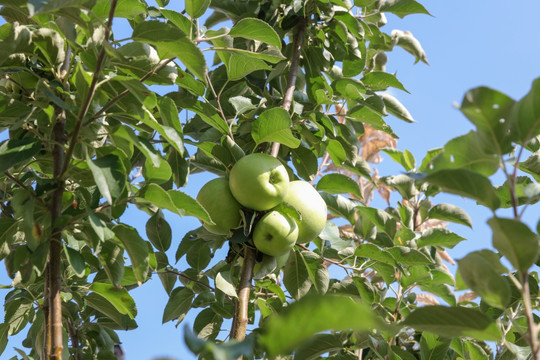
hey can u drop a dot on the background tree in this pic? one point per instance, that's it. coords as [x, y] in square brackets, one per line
[91, 131]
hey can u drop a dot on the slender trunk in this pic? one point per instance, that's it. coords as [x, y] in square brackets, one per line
[238, 330]
[54, 279]
[240, 320]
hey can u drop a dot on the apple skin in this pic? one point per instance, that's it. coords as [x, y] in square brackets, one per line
[310, 205]
[275, 234]
[216, 198]
[259, 181]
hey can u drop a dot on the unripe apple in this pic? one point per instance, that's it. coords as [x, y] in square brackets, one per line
[259, 181]
[311, 207]
[216, 198]
[275, 234]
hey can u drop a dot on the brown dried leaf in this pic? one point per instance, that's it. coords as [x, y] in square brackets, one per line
[468, 296]
[427, 299]
[446, 257]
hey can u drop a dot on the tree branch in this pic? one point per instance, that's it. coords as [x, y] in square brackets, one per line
[118, 97]
[532, 327]
[240, 319]
[83, 111]
[293, 73]
[239, 326]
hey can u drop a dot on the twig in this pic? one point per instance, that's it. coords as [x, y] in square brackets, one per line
[239, 326]
[293, 73]
[91, 91]
[220, 109]
[118, 97]
[175, 272]
[324, 162]
[532, 328]
[28, 189]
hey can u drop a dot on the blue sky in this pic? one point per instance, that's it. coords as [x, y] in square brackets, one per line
[468, 44]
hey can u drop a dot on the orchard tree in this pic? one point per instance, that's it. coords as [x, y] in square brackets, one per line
[95, 124]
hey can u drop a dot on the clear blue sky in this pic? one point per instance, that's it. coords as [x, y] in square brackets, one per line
[468, 44]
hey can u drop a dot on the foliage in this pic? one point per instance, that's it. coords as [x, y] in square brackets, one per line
[94, 126]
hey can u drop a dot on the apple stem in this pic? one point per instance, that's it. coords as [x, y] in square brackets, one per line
[240, 320]
[293, 73]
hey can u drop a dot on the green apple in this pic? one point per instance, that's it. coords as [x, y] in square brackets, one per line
[216, 198]
[275, 234]
[259, 181]
[311, 207]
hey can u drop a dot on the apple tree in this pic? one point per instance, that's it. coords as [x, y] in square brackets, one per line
[97, 122]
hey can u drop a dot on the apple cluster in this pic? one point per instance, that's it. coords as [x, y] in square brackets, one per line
[292, 211]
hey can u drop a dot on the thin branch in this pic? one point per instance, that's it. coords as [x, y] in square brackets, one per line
[179, 274]
[220, 109]
[293, 72]
[118, 97]
[324, 162]
[91, 91]
[28, 189]
[240, 322]
[532, 327]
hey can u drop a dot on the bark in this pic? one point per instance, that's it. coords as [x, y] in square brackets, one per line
[240, 320]
[54, 276]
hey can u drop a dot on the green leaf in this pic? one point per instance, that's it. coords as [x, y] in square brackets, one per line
[408, 256]
[75, 260]
[451, 213]
[136, 248]
[103, 305]
[13, 152]
[256, 29]
[433, 347]
[207, 113]
[224, 284]
[188, 206]
[199, 255]
[174, 201]
[126, 8]
[178, 305]
[336, 151]
[159, 232]
[100, 227]
[241, 104]
[466, 152]
[118, 297]
[318, 345]
[379, 80]
[454, 322]
[373, 252]
[318, 274]
[4, 328]
[274, 125]
[109, 174]
[515, 241]
[239, 66]
[295, 276]
[311, 315]
[207, 324]
[466, 183]
[403, 8]
[196, 8]
[525, 117]
[480, 275]
[305, 162]
[339, 184]
[532, 165]
[439, 237]
[396, 108]
[172, 42]
[489, 110]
